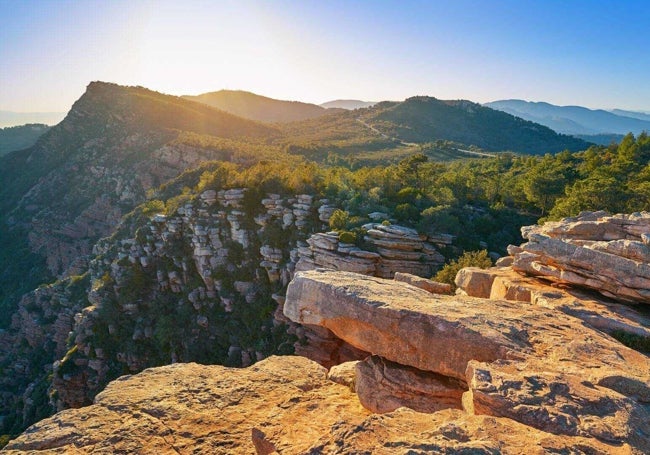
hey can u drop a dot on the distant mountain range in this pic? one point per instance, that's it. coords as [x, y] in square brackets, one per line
[9, 118]
[348, 104]
[633, 114]
[576, 120]
[260, 108]
[423, 119]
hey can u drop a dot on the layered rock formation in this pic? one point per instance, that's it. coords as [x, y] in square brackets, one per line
[219, 258]
[537, 366]
[205, 268]
[391, 249]
[280, 405]
[610, 254]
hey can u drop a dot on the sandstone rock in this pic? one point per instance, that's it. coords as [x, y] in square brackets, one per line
[398, 249]
[540, 367]
[384, 386]
[428, 285]
[600, 314]
[282, 404]
[474, 281]
[400, 322]
[322, 346]
[344, 373]
[596, 251]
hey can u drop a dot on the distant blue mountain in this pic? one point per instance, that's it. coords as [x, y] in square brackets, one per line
[633, 114]
[575, 120]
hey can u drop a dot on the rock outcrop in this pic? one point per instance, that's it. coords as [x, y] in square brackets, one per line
[538, 366]
[204, 268]
[609, 254]
[280, 405]
[383, 386]
[391, 249]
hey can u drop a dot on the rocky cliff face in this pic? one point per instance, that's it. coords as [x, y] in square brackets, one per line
[198, 285]
[39, 333]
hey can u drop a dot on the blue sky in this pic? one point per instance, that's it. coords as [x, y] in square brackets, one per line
[591, 53]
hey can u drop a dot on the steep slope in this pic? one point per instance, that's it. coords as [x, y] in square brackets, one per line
[71, 188]
[425, 119]
[573, 119]
[20, 137]
[260, 108]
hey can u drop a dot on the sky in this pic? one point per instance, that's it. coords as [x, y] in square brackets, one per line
[568, 52]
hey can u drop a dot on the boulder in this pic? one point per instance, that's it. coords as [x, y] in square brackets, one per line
[474, 281]
[344, 373]
[402, 323]
[383, 386]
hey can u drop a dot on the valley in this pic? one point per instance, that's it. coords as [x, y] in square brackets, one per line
[153, 231]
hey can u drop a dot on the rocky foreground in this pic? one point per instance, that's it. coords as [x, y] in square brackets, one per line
[523, 359]
[487, 376]
[280, 405]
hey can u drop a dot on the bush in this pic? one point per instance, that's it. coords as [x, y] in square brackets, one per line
[339, 220]
[469, 259]
[347, 237]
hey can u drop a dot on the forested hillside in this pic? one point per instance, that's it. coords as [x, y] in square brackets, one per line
[20, 137]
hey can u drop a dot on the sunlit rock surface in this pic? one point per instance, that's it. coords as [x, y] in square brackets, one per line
[279, 405]
[536, 365]
[609, 254]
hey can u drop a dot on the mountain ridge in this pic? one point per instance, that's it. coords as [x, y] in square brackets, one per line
[424, 118]
[574, 120]
[257, 107]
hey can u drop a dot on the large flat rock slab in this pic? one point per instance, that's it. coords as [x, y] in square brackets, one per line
[405, 324]
[537, 365]
[279, 405]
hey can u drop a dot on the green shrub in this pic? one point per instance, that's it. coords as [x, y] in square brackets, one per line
[469, 259]
[347, 237]
[339, 220]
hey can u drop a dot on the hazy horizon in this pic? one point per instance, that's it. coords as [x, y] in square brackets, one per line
[565, 53]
